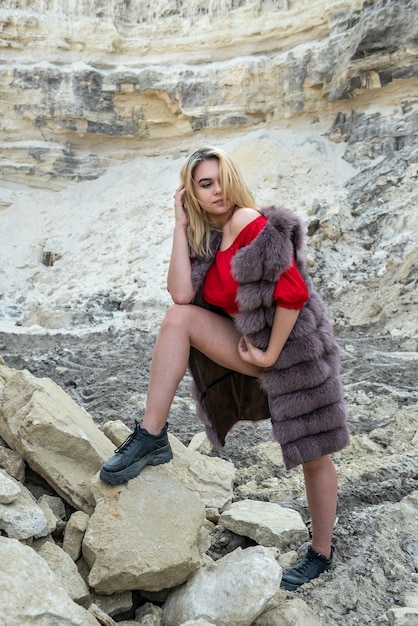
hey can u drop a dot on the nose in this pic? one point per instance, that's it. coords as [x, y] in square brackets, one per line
[217, 188]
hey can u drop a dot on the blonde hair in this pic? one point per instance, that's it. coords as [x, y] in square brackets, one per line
[233, 188]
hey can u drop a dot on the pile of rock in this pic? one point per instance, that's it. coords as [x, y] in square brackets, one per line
[75, 550]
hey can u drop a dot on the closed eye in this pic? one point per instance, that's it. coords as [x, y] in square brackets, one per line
[205, 182]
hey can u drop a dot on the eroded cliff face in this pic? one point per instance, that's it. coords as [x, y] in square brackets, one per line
[85, 85]
[83, 81]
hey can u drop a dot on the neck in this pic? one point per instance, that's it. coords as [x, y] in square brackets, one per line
[219, 223]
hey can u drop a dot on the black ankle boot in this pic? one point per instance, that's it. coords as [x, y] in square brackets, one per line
[310, 567]
[140, 449]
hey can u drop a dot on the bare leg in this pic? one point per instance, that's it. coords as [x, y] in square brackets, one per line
[187, 325]
[321, 490]
[183, 326]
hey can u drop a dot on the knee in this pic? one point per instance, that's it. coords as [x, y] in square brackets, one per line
[317, 464]
[177, 315]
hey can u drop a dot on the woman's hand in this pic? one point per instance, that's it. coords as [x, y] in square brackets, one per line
[250, 354]
[179, 210]
[284, 321]
[179, 276]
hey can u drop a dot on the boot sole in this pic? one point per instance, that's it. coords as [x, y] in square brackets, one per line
[289, 587]
[158, 457]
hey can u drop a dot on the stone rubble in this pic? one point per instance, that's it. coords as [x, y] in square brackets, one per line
[148, 536]
[143, 551]
[32, 592]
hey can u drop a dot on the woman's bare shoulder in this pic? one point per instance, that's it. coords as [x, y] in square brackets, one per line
[242, 217]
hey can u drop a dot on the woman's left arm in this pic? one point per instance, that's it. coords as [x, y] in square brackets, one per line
[284, 321]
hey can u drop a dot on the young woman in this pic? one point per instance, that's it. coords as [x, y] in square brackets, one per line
[245, 318]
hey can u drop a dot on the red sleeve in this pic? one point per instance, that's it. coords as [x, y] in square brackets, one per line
[291, 291]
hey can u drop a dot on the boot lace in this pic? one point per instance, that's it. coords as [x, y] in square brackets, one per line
[305, 564]
[125, 445]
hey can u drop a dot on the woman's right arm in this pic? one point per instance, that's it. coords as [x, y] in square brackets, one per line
[179, 277]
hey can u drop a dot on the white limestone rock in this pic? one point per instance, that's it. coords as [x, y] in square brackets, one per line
[117, 431]
[55, 503]
[24, 518]
[288, 613]
[149, 614]
[66, 571]
[143, 534]
[200, 443]
[12, 463]
[267, 523]
[31, 594]
[101, 616]
[52, 520]
[74, 534]
[197, 622]
[211, 478]
[114, 604]
[53, 434]
[234, 590]
[9, 489]
[403, 616]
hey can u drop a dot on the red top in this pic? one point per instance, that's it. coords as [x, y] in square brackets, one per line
[220, 288]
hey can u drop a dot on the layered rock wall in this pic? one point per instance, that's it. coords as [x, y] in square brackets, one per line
[83, 82]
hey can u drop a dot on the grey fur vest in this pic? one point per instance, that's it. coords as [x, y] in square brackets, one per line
[302, 392]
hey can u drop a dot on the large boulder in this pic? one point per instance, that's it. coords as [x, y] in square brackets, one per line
[143, 534]
[232, 591]
[53, 434]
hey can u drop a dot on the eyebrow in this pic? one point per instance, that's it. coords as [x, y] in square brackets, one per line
[202, 179]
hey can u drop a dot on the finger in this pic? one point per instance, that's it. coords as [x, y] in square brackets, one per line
[179, 193]
[242, 345]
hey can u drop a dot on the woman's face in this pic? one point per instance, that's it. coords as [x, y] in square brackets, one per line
[207, 189]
